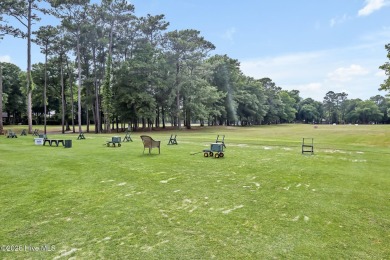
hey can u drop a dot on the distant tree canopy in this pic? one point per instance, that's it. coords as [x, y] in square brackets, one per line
[107, 67]
[386, 67]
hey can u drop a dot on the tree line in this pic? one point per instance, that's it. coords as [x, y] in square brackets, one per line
[107, 67]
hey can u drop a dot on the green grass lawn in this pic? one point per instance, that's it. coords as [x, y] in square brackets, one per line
[262, 200]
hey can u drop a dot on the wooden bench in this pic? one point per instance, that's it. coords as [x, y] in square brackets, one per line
[54, 141]
[172, 139]
[150, 143]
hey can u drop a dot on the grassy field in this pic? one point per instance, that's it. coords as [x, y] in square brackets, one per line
[262, 200]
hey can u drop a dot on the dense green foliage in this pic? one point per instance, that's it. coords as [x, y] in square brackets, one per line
[386, 68]
[262, 200]
[133, 70]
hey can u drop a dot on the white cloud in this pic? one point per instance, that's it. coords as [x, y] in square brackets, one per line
[380, 36]
[229, 33]
[5, 58]
[339, 20]
[347, 74]
[315, 86]
[299, 71]
[316, 73]
[284, 67]
[372, 6]
[381, 74]
[313, 90]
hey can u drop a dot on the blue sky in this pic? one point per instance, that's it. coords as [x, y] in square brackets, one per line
[314, 46]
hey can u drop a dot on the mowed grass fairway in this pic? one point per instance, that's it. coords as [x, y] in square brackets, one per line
[262, 200]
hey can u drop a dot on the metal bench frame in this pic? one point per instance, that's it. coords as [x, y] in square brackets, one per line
[54, 141]
[308, 145]
[172, 139]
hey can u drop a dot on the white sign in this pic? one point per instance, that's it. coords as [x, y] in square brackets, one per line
[38, 141]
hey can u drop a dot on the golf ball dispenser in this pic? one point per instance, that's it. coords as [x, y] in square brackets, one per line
[216, 150]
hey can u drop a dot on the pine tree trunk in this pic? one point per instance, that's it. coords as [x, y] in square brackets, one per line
[44, 95]
[29, 83]
[62, 97]
[79, 84]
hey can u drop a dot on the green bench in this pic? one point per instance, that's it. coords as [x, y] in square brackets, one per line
[36, 132]
[81, 136]
[308, 145]
[172, 140]
[54, 141]
[127, 137]
[11, 134]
